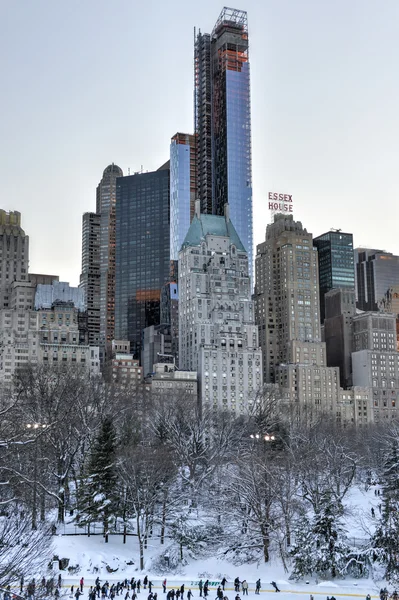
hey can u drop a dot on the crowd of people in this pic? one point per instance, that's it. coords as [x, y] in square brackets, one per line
[130, 588]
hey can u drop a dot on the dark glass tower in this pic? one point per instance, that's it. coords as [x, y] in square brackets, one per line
[336, 263]
[223, 122]
[376, 272]
[142, 253]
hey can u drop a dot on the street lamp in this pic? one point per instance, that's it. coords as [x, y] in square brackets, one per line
[267, 437]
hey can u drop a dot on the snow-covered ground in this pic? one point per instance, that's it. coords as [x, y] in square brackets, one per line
[92, 556]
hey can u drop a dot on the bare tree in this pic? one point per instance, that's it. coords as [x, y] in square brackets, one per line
[326, 461]
[144, 472]
[21, 553]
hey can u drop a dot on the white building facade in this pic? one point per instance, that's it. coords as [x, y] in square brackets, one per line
[218, 337]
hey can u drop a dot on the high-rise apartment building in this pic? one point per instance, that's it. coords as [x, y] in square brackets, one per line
[222, 122]
[90, 277]
[170, 315]
[336, 263]
[14, 254]
[375, 362]
[376, 272]
[287, 295]
[142, 253]
[287, 313]
[105, 207]
[183, 189]
[218, 337]
[340, 308]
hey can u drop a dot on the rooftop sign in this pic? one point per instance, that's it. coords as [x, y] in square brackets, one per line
[280, 203]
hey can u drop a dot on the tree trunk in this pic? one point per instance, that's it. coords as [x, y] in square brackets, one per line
[106, 529]
[146, 530]
[266, 542]
[61, 494]
[163, 521]
[140, 540]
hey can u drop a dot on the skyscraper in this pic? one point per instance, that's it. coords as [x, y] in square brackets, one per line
[223, 122]
[90, 277]
[287, 314]
[376, 272]
[142, 252]
[218, 337]
[105, 207]
[183, 189]
[336, 263]
[14, 254]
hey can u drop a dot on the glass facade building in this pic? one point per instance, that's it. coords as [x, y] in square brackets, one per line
[142, 252]
[336, 263]
[223, 122]
[376, 272]
[183, 187]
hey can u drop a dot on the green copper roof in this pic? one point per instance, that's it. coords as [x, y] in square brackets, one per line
[211, 225]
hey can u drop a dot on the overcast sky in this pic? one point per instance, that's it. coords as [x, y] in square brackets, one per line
[88, 82]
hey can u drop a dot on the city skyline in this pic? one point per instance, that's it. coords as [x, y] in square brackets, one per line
[324, 120]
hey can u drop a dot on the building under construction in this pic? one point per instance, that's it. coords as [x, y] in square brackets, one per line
[222, 121]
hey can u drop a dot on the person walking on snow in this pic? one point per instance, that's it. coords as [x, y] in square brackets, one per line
[223, 582]
[257, 587]
[82, 582]
[189, 594]
[245, 588]
[200, 585]
[164, 586]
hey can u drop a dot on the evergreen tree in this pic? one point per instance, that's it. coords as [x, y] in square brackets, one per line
[386, 537]
[320, 543]
[99, 498]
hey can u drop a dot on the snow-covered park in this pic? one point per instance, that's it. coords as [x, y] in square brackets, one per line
[90, 558]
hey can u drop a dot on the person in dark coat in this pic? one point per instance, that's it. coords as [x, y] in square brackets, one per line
[189, 594]
[257, 586]
[200, 585]
[237, 584]
[274, 584]
[219, 593]
[223, 582]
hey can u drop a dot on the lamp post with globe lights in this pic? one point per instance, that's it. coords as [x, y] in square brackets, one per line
[267, 437]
